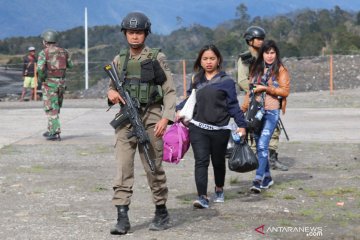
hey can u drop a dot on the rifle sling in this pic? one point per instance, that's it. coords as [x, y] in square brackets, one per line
[123, 70]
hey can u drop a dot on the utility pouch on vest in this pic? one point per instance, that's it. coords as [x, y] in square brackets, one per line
[160, 76]
[147, 71]
[144, 91]
[121, 119]
[133, 89]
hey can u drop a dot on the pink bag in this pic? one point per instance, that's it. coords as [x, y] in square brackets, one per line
[176, 142]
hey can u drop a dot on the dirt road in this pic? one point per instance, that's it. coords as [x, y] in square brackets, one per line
[62, 190]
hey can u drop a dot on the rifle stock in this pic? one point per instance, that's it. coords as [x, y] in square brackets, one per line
[129, 112]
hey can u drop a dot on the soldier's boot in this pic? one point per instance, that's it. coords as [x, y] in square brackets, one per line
[46, 134]
[275, 164]
[53, 137]
[123, 224]
[161, 221]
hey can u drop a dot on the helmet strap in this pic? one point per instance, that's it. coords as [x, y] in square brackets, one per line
[136, 46]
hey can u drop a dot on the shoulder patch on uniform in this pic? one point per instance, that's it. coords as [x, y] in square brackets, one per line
[153, 53]
[123, 52]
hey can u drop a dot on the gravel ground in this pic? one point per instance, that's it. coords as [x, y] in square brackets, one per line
[63, 190]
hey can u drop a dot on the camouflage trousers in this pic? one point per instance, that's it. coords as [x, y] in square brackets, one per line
[53, 95]
[274, 141]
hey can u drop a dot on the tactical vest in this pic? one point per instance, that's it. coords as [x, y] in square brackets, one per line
[56, 59]
[143, 79]
[247, 58]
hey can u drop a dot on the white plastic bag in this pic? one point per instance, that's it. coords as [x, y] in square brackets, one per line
[187, 111]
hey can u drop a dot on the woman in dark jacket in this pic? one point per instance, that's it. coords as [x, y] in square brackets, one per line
[216, 103]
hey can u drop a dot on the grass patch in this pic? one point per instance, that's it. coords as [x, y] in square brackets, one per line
[318, 217]
[37, 169]
[352, 216]
[339, 191]
[234, 180]
[240, 226]
[38, 191]
[99, 189]
[186, 200]
[9, 150]
[102, 149]
[308, 212]
[231, 195]
[289, 197]
[346, 216]
[311, 193]
[312, 213]
[31, 169]
[268, 194]
[285, 223]
[98, 149]
[288, 184]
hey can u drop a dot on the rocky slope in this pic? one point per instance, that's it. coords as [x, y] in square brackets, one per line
[307, 75]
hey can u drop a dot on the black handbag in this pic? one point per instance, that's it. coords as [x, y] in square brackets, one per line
[254, 115]
[243, 159]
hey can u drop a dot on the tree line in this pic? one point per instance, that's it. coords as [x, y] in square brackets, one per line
[304, 33]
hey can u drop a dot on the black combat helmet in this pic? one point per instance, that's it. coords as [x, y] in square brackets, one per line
[254, 32]
[50, 35]
[136, 21]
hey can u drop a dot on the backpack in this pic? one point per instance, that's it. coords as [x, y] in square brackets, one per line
[176, 142]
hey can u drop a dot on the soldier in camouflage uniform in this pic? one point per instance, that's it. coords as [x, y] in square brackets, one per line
[146, 72]
[254, 37]
[52, 64]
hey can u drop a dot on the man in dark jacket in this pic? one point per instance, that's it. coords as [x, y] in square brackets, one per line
[29, 73]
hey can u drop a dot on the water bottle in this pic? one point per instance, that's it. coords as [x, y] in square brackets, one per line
[235, 136]
[259, 115]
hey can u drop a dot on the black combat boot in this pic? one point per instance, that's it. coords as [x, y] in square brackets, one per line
[123, 225]
[275, 164]
[53, 137]
[161, 220]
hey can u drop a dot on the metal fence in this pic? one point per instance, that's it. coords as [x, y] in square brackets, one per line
[11, 74]
[308, 73]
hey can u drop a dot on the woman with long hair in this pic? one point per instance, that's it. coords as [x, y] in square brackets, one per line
[216, 103]
[271, 85]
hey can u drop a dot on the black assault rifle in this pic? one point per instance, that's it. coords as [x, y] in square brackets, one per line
[129, 112]
[281, 127]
